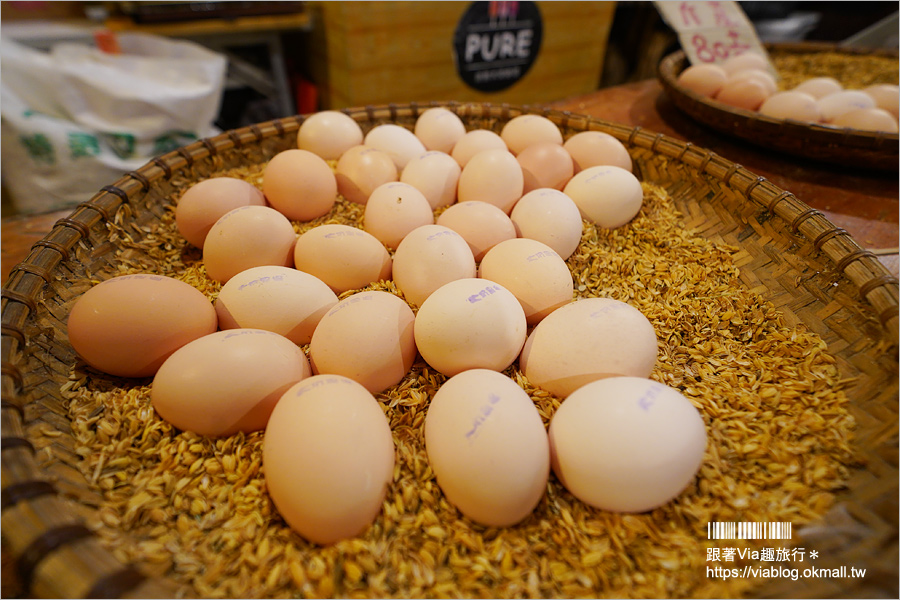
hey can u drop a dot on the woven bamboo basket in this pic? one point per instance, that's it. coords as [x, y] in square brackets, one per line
[812, 271]
[825, 143]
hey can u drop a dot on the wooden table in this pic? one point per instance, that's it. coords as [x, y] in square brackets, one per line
[865, 204]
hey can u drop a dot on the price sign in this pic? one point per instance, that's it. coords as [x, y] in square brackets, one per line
[711, 32]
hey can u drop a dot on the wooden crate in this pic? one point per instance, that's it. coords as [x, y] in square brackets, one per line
[379, 52]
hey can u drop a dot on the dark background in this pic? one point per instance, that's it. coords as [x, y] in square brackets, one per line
[639, 38]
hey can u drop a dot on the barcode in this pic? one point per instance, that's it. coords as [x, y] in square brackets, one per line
[747, 530]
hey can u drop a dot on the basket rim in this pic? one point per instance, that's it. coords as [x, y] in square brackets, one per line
[820, 141]
[23, 290]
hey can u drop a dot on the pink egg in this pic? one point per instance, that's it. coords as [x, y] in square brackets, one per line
[368, 337]
[339, 494]
[492, 176]
[593, 148]
[867, 119]
[482, 225]
[834, 105]
[744, 61]
[206, 201]
[704, 79]
[250, 236]
[747, 94]
[329, 134]
[474, 142]
[399, 143]
[300, 185]
[535, 274]
[360, 170]
[436, 175]
[545, 165]
[470, 323]
[344, 257]
[819, 87]
[228, 381]
[791, 105]
[551, 217]
[524, 130]
[393, 210]
[282, 300]
[439, 129]
[130, 324]
[763, 77]
[606, 195]
[886, 96]
[429, 257]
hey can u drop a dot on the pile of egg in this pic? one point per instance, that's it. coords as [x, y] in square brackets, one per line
[489, 283]
[743, 81]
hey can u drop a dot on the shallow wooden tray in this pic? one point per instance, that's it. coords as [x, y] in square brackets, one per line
[824, 143]
[810, 270]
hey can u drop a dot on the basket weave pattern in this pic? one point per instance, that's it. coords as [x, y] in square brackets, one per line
[810, 270]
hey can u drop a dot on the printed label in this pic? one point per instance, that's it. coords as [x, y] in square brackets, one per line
[496, 43]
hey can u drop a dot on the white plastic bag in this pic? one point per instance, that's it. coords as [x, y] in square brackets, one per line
[75, 119]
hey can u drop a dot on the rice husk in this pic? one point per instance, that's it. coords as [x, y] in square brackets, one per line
[195, 509]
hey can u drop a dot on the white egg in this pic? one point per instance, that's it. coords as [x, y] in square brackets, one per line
[626, 444]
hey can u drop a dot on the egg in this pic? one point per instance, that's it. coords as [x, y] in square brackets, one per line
[367, 337]
[228, 381]
[594, 148]
[587, 340]
[206, 201]
[299, 184]
[819, 87]
[427, 258]
[439, 129]
[747, 94]
[482, 225]
[867, 119]
[791, 105]
[545, 165]
[535, 274]
[250, 236]
[606, 195]
[396, 141]
[488, 448]
[393, 210]
[759, 75]
[329, 133]
[344, 257]
[703, 79]
[838, 103]
[626, 444]
[436, 175]
[551, 217]
[328, 456]
[360, 170]
[744, 61]
[474, 142]
[129, 325]
[524, 130]
[470, 324]
[886, 96]
[492, 176]
[273, 298]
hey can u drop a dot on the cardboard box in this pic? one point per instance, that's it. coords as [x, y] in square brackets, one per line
[363, 53]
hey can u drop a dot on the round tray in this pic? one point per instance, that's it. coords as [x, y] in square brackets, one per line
[820, 142]
[813, 272]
